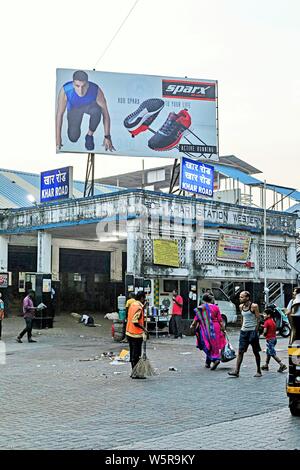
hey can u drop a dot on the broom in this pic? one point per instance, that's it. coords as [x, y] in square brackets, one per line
[143, 368]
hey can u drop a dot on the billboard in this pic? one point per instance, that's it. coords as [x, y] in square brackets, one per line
[196, 177]
[56, 184]
[135, 115]
[165, 252]
[233, 247]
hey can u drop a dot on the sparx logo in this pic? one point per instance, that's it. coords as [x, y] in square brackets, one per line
[189, 90]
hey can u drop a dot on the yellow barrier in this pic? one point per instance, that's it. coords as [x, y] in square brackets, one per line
[294, 351]
[293, 389]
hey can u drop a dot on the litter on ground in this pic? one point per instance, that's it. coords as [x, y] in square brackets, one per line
[123, 356]
[112, 316]
[110, 354]
[115, 362]
[96, 358]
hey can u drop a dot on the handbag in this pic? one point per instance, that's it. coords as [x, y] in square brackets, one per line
[227, 353]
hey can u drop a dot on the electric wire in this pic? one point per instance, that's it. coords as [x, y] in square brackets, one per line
[116, 33]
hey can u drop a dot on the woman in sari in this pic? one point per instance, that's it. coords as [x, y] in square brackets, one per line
[209, 330]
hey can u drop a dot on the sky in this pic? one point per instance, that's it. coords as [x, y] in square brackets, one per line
[250, 46]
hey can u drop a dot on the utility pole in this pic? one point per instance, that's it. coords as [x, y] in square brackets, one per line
[266, 290]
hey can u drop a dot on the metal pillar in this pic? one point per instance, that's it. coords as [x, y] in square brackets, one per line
[89, 176]
[3, 253]
[143, 174]
[266, 289]
[44, 252]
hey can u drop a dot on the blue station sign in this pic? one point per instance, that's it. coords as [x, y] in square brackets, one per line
[56, 184]
[197, 177]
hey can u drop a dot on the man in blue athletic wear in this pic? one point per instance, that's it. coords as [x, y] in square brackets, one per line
[80, 97]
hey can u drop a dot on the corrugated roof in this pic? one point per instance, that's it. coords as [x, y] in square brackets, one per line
[237, 162]
[236, 174]
[251, 181]
[294, 208]
[290, 192]
[15, 186]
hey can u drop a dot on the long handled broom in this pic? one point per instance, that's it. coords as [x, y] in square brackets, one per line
[143, 368]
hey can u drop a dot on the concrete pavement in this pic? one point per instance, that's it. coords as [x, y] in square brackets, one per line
[53, 397]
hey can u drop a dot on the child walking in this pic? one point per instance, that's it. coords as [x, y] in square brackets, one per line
[270, 335]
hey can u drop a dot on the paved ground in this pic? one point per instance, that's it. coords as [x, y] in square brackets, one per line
[52, 397]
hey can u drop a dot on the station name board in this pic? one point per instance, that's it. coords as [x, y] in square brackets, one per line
[197, 177]
[56, 184]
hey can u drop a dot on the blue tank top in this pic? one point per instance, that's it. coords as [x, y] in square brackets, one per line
[75, 101]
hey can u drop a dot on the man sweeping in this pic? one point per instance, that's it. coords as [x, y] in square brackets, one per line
[135, 330]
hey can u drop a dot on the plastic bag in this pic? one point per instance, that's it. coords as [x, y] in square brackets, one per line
[227, 353]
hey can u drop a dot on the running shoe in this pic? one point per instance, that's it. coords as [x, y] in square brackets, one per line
[140, 120]
[89, 142]
[168, 136]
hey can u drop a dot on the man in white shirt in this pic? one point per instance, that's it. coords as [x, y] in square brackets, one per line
[289, 307]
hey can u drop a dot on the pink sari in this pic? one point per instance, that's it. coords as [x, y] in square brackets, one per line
[210, 337]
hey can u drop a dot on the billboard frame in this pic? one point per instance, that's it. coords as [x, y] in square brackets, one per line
[197, 97]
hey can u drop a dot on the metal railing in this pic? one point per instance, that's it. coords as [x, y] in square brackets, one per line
[275, 293]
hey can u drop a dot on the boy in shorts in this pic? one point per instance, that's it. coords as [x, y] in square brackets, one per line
[270, 335]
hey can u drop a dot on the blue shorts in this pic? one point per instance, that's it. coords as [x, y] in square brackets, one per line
[249, 337]
[271, 343]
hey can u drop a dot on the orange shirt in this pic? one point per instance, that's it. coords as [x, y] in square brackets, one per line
[135, 315]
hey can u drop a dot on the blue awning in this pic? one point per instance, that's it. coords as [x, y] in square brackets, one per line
[251, 181]
[236, 174]
[290, 192]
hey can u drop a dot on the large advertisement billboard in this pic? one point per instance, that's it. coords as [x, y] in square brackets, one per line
[135, 115]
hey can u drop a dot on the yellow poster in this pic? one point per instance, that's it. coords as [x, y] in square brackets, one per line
[233, 247]
[166, 252]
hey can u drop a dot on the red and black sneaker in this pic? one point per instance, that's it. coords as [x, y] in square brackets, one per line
[168, 136]
[140, 120]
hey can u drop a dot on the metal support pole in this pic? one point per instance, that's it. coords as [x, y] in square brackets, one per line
[89, 176]
[143, 173]
[282, 294]
[266, 290]
[174, 176]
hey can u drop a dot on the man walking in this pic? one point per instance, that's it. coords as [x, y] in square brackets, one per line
[177, 314]
[249, 333]
[28, 314]
[296, 291]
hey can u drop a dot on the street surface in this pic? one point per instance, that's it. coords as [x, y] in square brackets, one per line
[53, 397]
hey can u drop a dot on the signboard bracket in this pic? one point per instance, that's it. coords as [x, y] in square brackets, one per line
[174, 176]
[89, 176]
[175, 179]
